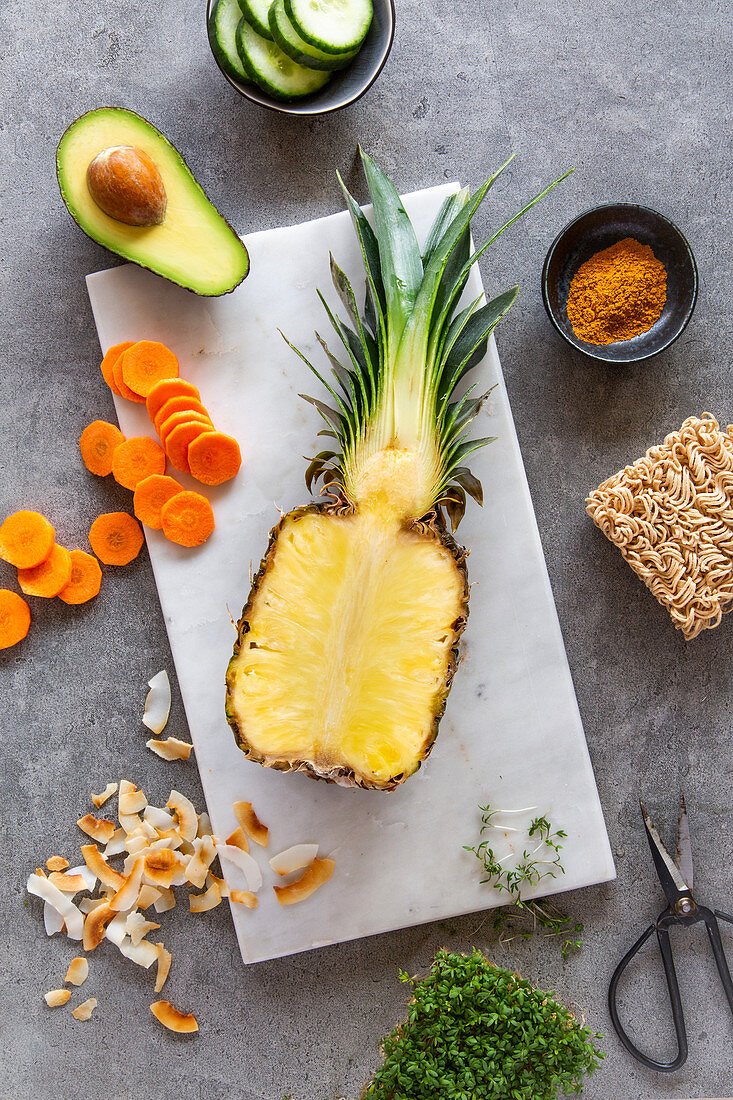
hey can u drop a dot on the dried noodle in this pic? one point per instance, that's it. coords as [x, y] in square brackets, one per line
[671, 516]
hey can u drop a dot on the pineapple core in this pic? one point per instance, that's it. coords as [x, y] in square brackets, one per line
[351, 631]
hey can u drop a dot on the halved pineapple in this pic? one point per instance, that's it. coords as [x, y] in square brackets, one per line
[348, 643]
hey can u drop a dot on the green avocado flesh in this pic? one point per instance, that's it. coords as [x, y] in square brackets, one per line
[193, 246]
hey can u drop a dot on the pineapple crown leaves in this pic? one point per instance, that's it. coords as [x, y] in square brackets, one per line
[410, 332]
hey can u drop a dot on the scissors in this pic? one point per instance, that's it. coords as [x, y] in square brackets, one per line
[676, 879]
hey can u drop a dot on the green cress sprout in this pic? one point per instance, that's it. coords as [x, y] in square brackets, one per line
[475, 1031]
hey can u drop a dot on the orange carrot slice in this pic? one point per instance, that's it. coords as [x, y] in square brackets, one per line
[214, 458]
[123, 389]
[109, 359]
[150, 496]
[178, 440]
[178, 404]
[146, 363]
[182, 418]
[15, 618]
[85, 580]
[48, 578]
[26, 539]
[187, 519]
[116, 538]
[97, 443]
[165, 389]
[135, 459]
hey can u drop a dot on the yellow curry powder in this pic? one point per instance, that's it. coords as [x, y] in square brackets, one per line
[618, 293]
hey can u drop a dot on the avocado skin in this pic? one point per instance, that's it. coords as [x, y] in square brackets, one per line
[187, 280]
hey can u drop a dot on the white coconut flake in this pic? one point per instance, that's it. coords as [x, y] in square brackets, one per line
[159, 819]
[204, 828]
[88, 904]
[146, 897]
[117, 844]
[89, 877]
[292, 859]
[245, 863]
[157, 703]
[137, 927]
[73, 918]
[144, 954]
[166, 901]
[52, 919]
[115, 930]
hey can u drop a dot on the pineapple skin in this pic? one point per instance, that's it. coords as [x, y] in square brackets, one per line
[344, 776]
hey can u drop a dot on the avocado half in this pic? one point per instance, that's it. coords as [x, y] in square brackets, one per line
[193, 246]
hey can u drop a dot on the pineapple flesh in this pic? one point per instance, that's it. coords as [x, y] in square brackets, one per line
[347, 645]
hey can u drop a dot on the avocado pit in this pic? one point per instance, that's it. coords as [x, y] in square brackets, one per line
[125, 183]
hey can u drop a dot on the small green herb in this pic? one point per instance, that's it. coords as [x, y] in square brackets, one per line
[477, 1032]
[542, 861]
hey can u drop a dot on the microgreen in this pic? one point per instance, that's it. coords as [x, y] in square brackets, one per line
[475, 1031]
[535, 864]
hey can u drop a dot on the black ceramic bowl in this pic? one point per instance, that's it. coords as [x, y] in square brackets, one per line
[345, 86]
[600, 228]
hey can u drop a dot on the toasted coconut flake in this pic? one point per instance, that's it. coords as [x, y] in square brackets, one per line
[223, 888]
[87, 904]
[170, 840]
[244, 897]
[116, 845]
[52, 919]
[144, 954]
[161, 867]
[204, 828]
[137, 927]
[238, 839]
[146, 897]
[100, 799]
[171, 1018]
[171, 748]
[98, 865]
[95, 924]
[292, 859]
[73, 918]
[89, 877]
[57, 863]
[129, 822]
[78, 971]
[135, 844]
[186, 816]
[164, 965]
[204, 854]
[56, 997]
[244, 862]
[157, 703]
[131, 800]
[201, 903]
[166, 901]
[250, 822]
[319, 872]
[159, 819]
[126, 896]
[41, 873]
[68, 884]
[84, 1010]
[99, 829]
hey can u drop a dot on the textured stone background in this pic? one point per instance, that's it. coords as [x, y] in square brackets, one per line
[637, 96]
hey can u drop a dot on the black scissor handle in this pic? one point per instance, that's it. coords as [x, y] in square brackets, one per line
[716, 943]
[660, 927]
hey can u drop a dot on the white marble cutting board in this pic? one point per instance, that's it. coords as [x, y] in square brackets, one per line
[511, 733]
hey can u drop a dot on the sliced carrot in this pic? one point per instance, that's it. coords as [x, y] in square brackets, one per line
[108, 361]
[178, 440]
[135, 459]
[97, 443]
[214, 458]
[48, 578]
[116, 538]
[150, 496]
[175, 419]
[146, 363]
[187, 519]
[178, 404]
[15, 618]
[123, 388]
[165, 389]
[85, 580]
[26, 539]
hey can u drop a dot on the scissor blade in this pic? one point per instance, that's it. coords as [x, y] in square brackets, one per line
[684, 847]
[669, 875]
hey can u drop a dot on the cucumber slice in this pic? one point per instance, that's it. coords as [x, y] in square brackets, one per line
[256, 14]
[290, 42]
[334, 26]
[223, 24]
[273, 70]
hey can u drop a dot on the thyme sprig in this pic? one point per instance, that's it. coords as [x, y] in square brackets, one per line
[535, 864]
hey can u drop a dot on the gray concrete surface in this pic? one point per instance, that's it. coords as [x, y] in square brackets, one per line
[637, 96]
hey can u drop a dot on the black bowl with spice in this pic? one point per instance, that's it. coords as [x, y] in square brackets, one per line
[619, 283]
